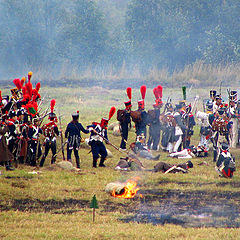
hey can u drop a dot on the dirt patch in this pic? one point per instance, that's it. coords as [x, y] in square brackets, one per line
[37, 205]
[189, 208]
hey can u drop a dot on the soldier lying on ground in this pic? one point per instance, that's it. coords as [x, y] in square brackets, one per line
[129, 163]
[190, 152]
[141, 149]
[166, 167]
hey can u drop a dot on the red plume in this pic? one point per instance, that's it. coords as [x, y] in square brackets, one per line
[156, 93]
[160, 88]
[129, 93]
[111, 112]
[143, 90]
[29, 76]
[24, 91]
[34, 92]
[23, 81]
[29, 88]
[38, 85]
[17, 82]
[0, 95]
[53, 102]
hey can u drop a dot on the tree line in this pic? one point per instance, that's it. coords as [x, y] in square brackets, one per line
[49, 34]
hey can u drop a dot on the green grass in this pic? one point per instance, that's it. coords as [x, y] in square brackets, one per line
[55, 203]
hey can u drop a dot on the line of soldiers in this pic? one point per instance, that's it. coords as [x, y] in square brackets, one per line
[219, 124]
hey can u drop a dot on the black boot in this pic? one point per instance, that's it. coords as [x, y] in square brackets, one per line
[101, 164]
[9, 166]
[42, 162]
[157, 157]
[78, 162]
[94, 163]
[214, 155]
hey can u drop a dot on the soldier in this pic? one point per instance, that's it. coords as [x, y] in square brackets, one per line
[12, 136]
[154, 120]
[205, 127]
[225, 165]
[165, 167]
[217, 103]
[73, 133]
[5, 155]
[24, 129]
[179, 129]
[142, 118]
[168, 128]
[220, 126]
[234, 118]
[98, 135]
[140, 148]
[35, 149]
[50, 131]
[123, 116]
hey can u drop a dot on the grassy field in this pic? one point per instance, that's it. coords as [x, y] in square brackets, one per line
[56, 203]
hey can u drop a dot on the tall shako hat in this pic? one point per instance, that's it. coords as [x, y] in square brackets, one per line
[158, 96]
[233, 96]
[213, 93]
[75, 115]
[218, 96]
[52, 115]
[104, 121]
[128, 104]
[143, 90]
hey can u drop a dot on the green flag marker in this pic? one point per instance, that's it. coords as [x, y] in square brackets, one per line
[184, 92]
[94, 205]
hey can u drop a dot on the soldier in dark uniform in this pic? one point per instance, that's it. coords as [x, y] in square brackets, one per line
[189, 122]
[168, 124]
[123, 116]
[154, 121]
[73, 133]
[5, 155]
[12, 133]
[98, 135]
[35, 149]
[50, 131]
[164, 167]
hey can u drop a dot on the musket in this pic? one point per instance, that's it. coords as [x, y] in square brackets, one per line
[38, 141]
[108, 142]
[42, 99]
[62, 146]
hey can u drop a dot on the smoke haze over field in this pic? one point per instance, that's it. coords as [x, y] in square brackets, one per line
[115, 37]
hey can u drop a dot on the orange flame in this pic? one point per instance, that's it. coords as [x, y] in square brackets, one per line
[130, 189]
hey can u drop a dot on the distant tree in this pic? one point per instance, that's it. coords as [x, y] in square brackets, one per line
[28, 29]
[175, 32]
[83, 37]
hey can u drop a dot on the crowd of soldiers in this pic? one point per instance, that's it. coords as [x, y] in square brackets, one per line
[218, 126]
[20, 122]
[170, 128]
